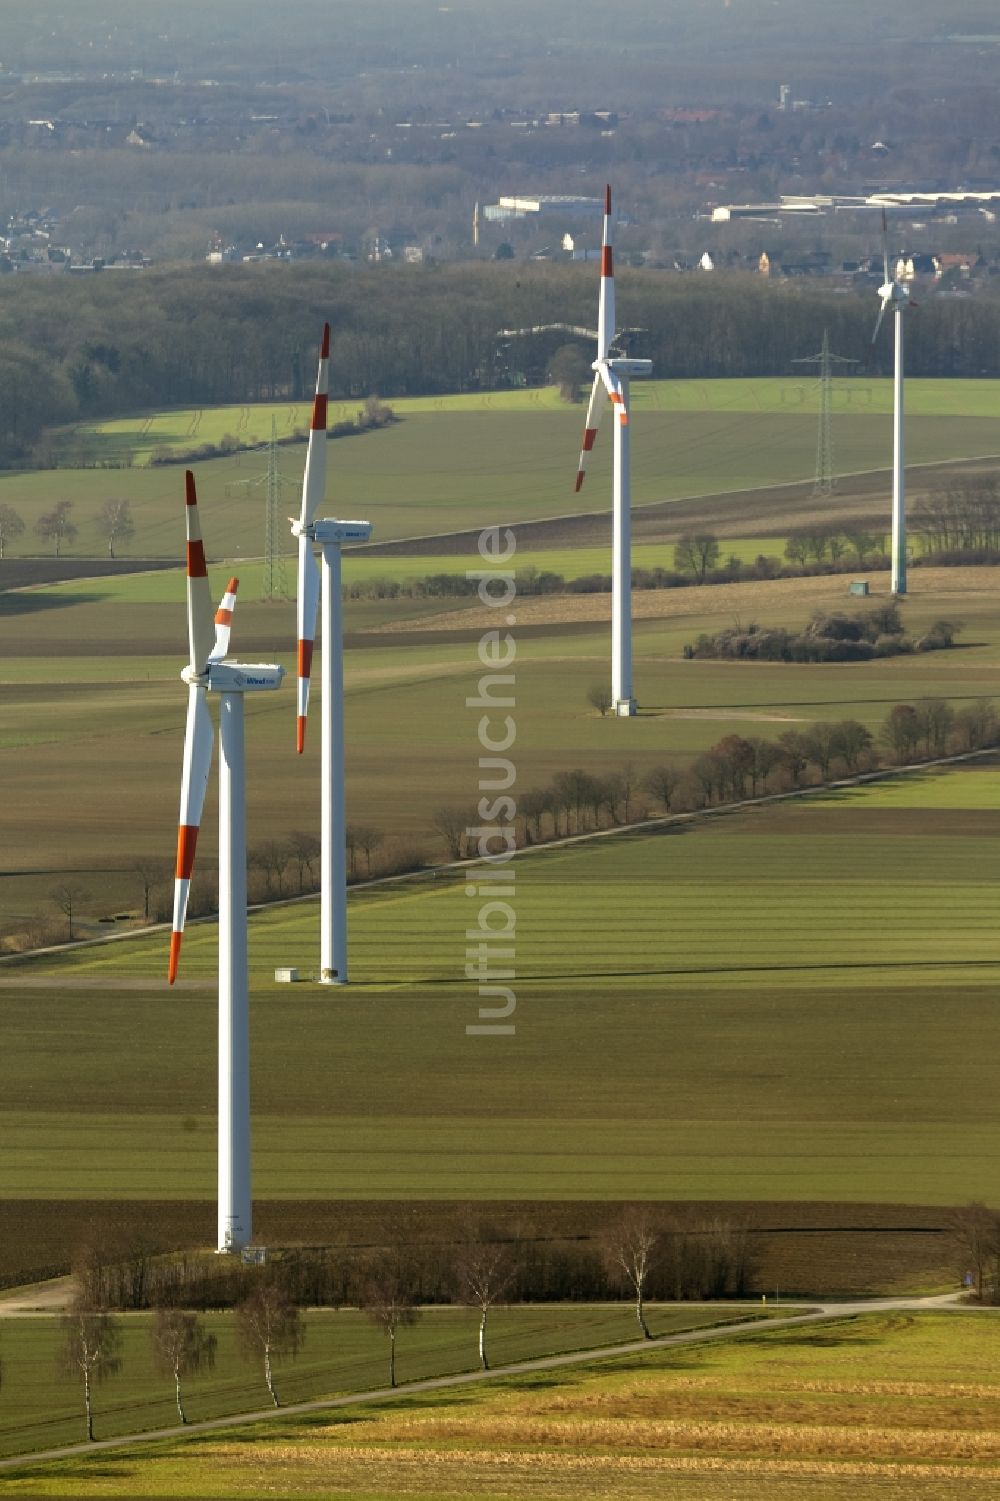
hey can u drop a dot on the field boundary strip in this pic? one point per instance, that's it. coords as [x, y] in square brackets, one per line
[430, 873]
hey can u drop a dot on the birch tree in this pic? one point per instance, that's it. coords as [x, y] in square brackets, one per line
[11, 526]
[387, 1297]
[270, 1326]
[90, 1350]
[629, 1249]
[115, 521]
[484, 1272]
[181, 1347]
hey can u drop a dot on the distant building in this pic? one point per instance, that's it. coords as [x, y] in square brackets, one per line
[516, 207]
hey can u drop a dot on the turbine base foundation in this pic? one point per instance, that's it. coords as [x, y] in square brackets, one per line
[624, 708]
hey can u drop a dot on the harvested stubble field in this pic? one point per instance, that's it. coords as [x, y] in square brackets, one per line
[883, 1406]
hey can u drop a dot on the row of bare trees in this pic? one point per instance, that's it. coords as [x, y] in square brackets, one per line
[960, 516]
[735, 768]
[56, 528]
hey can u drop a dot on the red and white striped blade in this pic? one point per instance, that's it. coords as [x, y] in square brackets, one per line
[617, 394]
[606, 306]
[595, 410]
[201, 631]
[224, 621]
[314, 479]
[308, 604]
[198, 741]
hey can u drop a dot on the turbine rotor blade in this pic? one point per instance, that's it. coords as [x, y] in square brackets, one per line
[308, 604]
[595, 410]
[606, 304]
[881, 315]
[224, 621]
[201, 632]
[198, 740]
[885, 246]
[314, 478]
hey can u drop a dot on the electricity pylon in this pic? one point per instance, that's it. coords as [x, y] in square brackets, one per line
[825, 482]
[274, 584]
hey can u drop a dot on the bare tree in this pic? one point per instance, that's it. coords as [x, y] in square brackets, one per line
[937, 720]
[819, 743]
[532, 806]
[766, 756]
[662, 782]
[628, 784]
[851, 742]
[387, 1296]
[628, 1249]
[975, 1235]
[976, 725]
[269, 1325]
[151, 872]
[55, 526]
[90, 1348]
[794, 755]
[696, 552]
[115, 521]
[69, 897]
[181, 1347]
[901, 731]
[304, 850]
[484, 1272]
[369, 840]
[11, 526]
[599, 694]
[270, 857]
[451, 824]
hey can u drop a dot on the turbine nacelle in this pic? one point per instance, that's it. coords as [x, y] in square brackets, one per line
[618, 365]
[341, 531]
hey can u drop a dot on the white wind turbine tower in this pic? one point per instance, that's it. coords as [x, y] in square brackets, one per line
[330, 535]
[206, 673]
[611, 379]
[896, 296]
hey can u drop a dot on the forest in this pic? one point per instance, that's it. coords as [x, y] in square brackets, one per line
[112, 344]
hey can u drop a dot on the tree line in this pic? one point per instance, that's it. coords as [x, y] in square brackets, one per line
[735, 768]
[209, 336]
[643, 1254]
[576, 801]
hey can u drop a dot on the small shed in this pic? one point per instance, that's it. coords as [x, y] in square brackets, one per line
[286, 976]
[858, 587]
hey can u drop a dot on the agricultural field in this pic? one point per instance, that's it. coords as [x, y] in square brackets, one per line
[93, 667]
[457, 463]
[791, 1003]
[343, 1352]
[889, 1405]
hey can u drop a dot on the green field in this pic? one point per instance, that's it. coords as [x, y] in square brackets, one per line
[343, 1352]
[92, 690]
[455, 463]
[793, 1003]
[890, 1405]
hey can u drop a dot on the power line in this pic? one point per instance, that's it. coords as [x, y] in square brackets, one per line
[825, 482]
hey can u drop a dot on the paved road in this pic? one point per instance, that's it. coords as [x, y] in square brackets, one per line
[814, 1314]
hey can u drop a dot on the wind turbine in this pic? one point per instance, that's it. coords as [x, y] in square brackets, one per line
[611, 379]
[896, 296]
[209, 672]
[330, 535]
